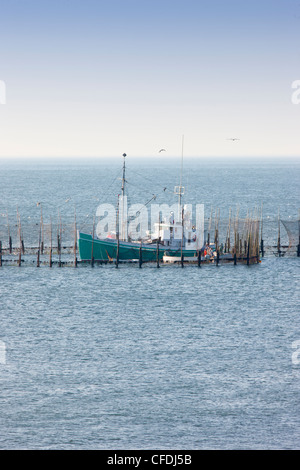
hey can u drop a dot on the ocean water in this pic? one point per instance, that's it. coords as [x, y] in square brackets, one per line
[169, 358]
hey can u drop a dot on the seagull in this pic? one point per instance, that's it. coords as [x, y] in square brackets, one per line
[234, 138]
[161, 150]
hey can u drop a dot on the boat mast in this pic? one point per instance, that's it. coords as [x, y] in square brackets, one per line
[123, 194]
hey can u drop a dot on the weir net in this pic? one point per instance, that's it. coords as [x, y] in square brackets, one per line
[277, 234]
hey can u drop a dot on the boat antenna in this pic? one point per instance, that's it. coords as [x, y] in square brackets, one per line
[179, 190]
[123, 178]
[181, 170]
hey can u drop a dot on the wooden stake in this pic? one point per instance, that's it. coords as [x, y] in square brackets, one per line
[140, 256]
[39, 248]
[0, 253]
[157, 244]
[9, 237]
[157, 253]
[75, 240]
[298, 247]
[182, 227]
[42, 232]
[50, 252]
[248, 251]
[229, 229]
[261, 233]
[59, 239]
[20, 248]
[209, 227]
[278, 239]
[92, 253]
[117, 234]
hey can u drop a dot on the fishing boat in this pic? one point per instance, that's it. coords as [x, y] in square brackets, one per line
[172, 240]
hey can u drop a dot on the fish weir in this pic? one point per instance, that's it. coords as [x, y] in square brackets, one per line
[236, 240]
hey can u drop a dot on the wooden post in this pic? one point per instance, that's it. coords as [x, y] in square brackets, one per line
[278, 239]
[235, 240]
[0, 253]
[39, 248]
[261, 233]
[216, 230]
[298, 247]
[140, 256]
[20, 248]
[141, 249]
[209, 227]
[92, 253]
[75, 240]
[157, 244]
[58, 248]
[117, 234]
[59, 239]
[257, 239]
[248, 251]
[117, 254]
[218, 257]
[42, 232]
[234, 258]
[218, 234]
[182, 227]
[50, 252]
[199, 258]
[9, 237]
[229, 229]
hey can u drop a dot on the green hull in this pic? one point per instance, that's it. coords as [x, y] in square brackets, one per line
[106, 250]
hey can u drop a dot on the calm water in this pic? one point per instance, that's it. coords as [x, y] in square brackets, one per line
[150, 358]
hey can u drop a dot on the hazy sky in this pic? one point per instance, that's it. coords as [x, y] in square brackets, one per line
[98, 78]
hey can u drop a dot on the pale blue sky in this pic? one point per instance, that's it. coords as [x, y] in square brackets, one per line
[97, 78]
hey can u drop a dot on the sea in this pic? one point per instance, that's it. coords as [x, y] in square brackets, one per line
[171, 358]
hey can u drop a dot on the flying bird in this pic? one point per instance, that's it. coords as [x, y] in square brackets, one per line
[161, 150]
[234, 138]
